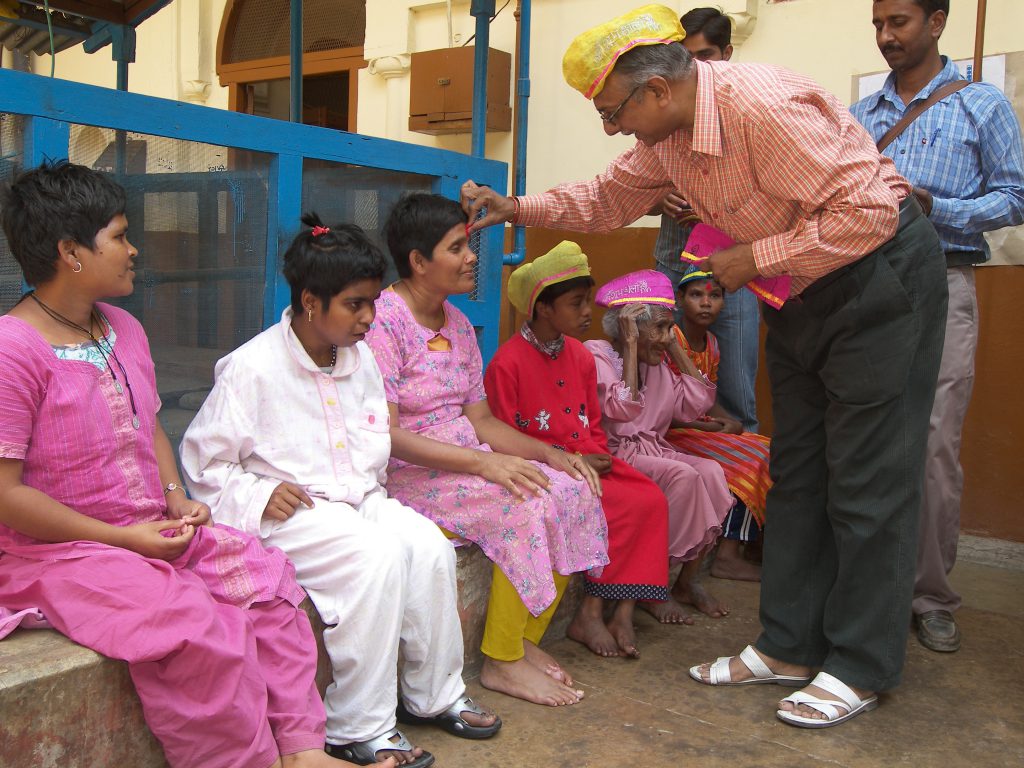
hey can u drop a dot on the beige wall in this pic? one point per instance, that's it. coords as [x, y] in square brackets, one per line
[175, 56]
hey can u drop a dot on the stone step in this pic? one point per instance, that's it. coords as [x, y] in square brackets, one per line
[64, 706]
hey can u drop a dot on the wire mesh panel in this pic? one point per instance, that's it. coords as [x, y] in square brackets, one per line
[198, 215]
[478, 245]
[261, 28]
[354, 195]
[12, 128]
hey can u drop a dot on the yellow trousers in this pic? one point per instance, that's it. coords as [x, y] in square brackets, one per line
[509, 621]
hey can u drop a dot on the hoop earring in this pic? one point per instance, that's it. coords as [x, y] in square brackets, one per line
[79, 265]
[309, 315]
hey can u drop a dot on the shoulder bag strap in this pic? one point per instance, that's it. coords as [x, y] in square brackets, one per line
[915, 112]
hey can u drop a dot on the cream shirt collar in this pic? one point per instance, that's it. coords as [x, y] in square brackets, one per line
[348, 357]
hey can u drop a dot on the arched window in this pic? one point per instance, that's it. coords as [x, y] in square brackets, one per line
[253, 58]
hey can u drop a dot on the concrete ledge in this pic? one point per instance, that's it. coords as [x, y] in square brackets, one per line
[64, 706]
[998, 553]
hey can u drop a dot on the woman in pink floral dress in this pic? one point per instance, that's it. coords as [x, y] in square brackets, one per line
[532, 509]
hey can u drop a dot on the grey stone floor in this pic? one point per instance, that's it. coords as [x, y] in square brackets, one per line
[963, 709]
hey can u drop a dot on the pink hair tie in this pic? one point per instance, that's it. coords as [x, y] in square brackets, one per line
[318, 230]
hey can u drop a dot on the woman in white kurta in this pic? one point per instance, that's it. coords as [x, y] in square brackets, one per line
[292, 445]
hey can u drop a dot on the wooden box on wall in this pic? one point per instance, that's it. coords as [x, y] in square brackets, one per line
[441, 91]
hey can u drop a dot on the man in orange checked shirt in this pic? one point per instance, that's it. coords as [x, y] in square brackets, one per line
[780, 165]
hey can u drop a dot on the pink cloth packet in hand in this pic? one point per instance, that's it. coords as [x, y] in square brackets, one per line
[705, 240]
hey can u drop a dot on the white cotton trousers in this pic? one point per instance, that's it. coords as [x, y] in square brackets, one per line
[382, 577]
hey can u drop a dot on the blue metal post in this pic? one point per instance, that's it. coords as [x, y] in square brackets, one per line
[45, 139]
[122, 75]
[296, 61]
[283, 224]
[518, 253]
[122, 49]
[482, 11]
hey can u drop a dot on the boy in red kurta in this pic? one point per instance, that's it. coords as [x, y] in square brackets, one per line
[544, 382]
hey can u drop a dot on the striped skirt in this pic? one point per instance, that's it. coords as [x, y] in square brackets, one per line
[744, 458]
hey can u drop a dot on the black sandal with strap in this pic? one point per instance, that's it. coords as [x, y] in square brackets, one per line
[365, 752]
[452, 720]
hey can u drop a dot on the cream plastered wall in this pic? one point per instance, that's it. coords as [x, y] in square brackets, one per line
[175, 56]
[830, 40]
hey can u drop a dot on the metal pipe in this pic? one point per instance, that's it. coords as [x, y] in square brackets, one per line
[295, 78]
[451, 39]
[979, 41]
[518, 253]
[482, 10]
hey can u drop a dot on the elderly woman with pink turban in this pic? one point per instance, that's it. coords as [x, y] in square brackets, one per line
[641, 397]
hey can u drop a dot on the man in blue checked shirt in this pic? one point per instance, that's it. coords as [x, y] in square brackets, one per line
[963, 156]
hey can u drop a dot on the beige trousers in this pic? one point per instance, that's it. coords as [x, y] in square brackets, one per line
[944, 477]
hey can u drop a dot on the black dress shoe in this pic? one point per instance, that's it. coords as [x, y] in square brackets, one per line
[937, 631]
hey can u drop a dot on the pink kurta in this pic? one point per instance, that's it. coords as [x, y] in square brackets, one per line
[563, 530]
[214, 635]
[698, 496]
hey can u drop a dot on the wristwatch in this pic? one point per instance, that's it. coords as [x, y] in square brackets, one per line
[172, 487]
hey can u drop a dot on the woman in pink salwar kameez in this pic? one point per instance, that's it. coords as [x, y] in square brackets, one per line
[532, 509]
[95, 529]
[640, 398]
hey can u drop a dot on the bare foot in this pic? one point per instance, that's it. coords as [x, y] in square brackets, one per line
[667, 611]
[523, 680]
[753, 551]
[820, 693]
[702, 600]
[588, 627]
[621, 628]
[546, 663]
[688, 590]
[730, 563]
[317, 758]
[738, 671]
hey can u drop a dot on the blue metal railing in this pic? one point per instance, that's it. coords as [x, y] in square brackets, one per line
[53, 106]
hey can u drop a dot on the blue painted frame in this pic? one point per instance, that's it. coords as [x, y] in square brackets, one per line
[52, 106]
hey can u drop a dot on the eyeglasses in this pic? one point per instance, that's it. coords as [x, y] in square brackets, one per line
[615, 113]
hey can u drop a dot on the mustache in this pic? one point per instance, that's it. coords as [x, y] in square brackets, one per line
[891, 48]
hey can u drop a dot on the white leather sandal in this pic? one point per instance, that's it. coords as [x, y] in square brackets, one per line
[720, 675]
[830, 709]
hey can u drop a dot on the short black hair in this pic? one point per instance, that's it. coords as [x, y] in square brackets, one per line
[933, 6]
[418, 222]
[710, 22]
[552, 292]
[328, 262]
[54, 202]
